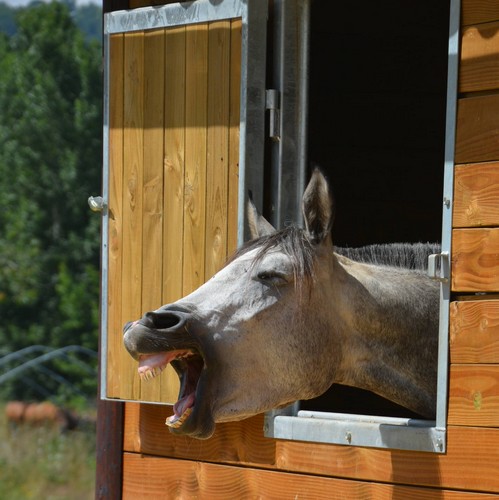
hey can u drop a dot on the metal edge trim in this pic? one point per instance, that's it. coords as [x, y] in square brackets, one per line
[450, 135]
[105, 225]
[175, 14]
[358, 433]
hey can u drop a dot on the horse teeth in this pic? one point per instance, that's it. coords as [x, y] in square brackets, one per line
[177, 423]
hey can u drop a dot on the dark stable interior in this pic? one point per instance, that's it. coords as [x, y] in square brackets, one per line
[377, 99]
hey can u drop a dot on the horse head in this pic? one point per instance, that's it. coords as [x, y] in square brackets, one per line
[251, 338]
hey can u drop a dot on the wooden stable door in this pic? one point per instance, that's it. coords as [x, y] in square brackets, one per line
[173, 154]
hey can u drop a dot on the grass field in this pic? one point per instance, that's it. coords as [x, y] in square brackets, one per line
[44, 463]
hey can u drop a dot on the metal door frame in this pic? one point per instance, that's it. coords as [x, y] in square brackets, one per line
[362, 430]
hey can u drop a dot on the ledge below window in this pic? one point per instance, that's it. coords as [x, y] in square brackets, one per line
[357, 430]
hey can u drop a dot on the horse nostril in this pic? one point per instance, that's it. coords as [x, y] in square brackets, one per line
[128, 325]
[164, 320]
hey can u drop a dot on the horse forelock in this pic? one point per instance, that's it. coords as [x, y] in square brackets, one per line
[291, 240]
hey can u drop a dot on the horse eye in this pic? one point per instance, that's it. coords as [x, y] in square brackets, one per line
[272, 277]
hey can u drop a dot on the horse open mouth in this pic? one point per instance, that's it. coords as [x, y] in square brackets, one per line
[189, 364]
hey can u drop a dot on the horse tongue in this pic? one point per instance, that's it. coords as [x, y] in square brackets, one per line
[181, 411]
[183, 404]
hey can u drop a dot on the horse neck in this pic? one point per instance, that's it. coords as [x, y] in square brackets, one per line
[390, 322]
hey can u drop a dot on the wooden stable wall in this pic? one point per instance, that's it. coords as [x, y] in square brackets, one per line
[238, 462]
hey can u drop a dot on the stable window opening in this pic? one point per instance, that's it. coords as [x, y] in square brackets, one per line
[380, 125]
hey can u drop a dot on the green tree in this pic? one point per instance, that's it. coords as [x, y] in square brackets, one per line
[50, 157]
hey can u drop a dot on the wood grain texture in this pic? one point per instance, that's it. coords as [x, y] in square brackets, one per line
[236, 442]
[195, 157]
[474, 395]
[475, 260]
[479, 66]
[477, 132]
[470, 463]
[152, 477]
[476, 191]
[479, 11]
[109, 452]
[152, 216]
[132, 201]
[217, 146]
[173, 188]
[115, 230]
[474, 331]
[174, 164]
[243, 442]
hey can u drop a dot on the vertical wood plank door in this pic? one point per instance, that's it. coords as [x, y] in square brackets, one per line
[173, 152]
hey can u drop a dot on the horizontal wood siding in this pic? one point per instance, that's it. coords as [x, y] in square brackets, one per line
[470, 463]
[173, 167]
[476, 191]
[243, 443]
[474, 332]
[475, 260]
[163, 478]
[238, 442]
[477, 137]
[479, 68]
[474, 395]
[479, 11]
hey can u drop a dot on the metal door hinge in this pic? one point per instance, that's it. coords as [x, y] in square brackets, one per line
[439, 267]
[272, 104]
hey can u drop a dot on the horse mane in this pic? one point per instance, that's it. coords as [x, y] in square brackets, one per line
[295, 243]
[405, 255]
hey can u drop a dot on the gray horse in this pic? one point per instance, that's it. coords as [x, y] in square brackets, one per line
[285, 319]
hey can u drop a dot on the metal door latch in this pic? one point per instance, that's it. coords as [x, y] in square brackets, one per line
[439, 267]
[272, 104]
[96, 203]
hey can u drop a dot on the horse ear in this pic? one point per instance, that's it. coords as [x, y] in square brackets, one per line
[258, 225]
[318, 207]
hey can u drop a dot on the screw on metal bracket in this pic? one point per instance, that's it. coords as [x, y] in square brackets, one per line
[439, 444]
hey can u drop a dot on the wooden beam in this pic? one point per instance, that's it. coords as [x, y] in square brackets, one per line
[109, 453]
[153, 477]
[475, 260]
[479, 11]
[477, 134]
[471, 461]
[474, 331]
[474, 395]
[476, 191]
[479, 68]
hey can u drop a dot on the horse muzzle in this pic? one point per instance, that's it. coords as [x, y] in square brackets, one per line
[165, 329]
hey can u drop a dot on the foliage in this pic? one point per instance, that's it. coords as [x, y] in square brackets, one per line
[50, 132]
[87, 17]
